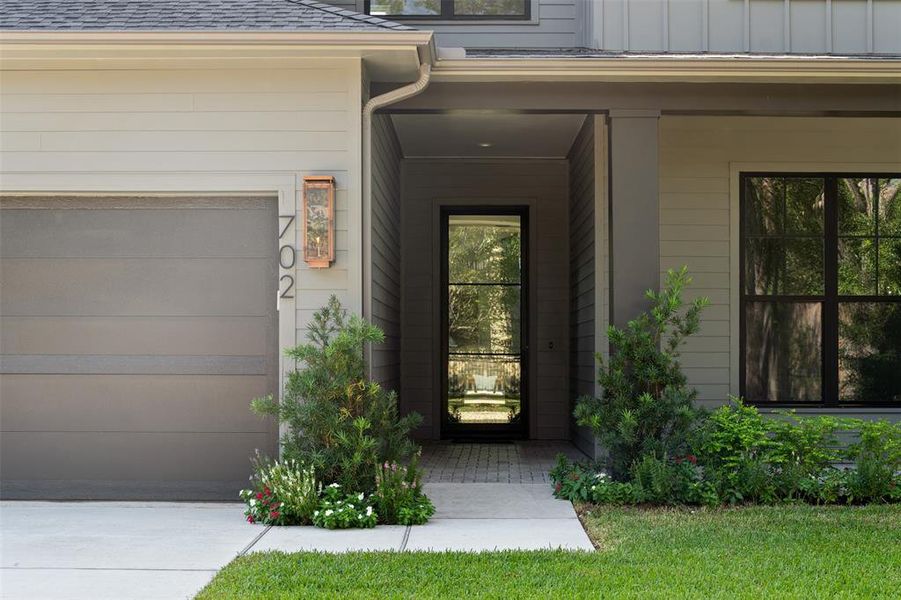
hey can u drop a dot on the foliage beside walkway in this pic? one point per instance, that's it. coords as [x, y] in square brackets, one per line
[785, 551]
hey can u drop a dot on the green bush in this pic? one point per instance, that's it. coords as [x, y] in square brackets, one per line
[398, 495]
[338, 510]
[339, 422]
[282, 493]
[803, 449]
[646, 407]
[734, 445]
[877, 455]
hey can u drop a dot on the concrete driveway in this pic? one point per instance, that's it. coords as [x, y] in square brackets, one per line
[160, 550]
[116, 550]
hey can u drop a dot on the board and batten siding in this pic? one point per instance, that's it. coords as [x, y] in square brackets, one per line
[542, 186]
[763, 26]
[700, 158]
[129, 128]
[386, 258]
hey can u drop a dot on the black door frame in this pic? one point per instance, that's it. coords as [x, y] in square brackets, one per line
[520, 430]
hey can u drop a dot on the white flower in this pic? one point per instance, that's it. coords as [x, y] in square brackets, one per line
[334, 485]
[253, 502]
[360, 497]
[328, 513]
[368, 511]
[350, 506]
[315, 513]
[360, 517]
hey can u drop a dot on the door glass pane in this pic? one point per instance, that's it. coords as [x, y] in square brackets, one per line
[869, 350]
[484, 314]
[783, 361]
[483, 318]
[490, 7]
[484, 389]
[405, 7]
[483, 249]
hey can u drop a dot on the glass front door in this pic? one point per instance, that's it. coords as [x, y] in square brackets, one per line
[484, 322]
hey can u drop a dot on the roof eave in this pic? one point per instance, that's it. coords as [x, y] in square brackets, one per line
[698, 69]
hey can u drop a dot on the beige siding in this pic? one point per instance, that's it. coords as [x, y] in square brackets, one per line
[541, 185]
[700, 158]
[132, 126]
[386, 255]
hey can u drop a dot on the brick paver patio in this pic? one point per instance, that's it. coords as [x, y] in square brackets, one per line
[509, 462]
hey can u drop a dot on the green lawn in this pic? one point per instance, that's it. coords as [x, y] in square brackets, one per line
[763, 552]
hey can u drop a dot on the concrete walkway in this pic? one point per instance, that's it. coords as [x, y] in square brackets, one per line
[125, 550]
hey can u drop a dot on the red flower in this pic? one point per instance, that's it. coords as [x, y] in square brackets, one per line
[259, 495]
[249, 518]
[678, 460]
[558, 487]
[267, 491]
[692, 459]
[274, 514]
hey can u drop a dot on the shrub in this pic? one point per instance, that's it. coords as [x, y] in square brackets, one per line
[734, 446]
[282, 493]
[344, 511]
[339, 422]
[877, 455]
[398, 495]
[803, 449]
[646, 407]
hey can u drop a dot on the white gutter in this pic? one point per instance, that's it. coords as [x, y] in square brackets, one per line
[401, 93]
[673, 68]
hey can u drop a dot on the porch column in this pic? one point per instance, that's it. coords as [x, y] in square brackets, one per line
[634, 223]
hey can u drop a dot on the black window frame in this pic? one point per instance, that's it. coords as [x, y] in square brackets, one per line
[448, 14]
[829, 300]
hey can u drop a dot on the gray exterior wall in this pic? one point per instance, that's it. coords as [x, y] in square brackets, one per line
[765, 26]
[386, 282]
[583, 271]
[540, 184]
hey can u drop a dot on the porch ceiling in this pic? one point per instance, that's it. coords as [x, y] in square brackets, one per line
[486, 134]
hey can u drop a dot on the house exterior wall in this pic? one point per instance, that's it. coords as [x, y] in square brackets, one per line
[588, 264]
[222, 129]
[542, 186]
[761, 26]
[386, 253]
[700, 159]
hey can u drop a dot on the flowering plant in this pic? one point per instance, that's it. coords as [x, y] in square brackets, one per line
[344, 511]
[398, 494]
[282, 493]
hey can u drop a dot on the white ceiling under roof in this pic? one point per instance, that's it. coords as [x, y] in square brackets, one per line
[472, 134]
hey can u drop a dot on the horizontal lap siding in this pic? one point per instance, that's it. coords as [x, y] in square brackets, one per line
[386, 280]
[583, 271]
[301, 121]
[542, 184]
[696, 209]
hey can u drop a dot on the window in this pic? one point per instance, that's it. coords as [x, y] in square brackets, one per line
[450, 9]
[821, 289]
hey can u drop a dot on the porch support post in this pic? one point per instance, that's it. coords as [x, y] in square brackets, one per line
[634, 217]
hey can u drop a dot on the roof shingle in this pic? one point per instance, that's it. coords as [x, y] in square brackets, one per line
[193, 15]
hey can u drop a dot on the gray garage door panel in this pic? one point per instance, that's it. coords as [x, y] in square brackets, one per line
[223, 336]
[131, 403]
[178, 233]
[138, 287]
[134, 333]
[123, 455]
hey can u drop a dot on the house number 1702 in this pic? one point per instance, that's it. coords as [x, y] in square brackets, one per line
[287, 258]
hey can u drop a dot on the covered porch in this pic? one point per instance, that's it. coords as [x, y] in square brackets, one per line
[619, 182]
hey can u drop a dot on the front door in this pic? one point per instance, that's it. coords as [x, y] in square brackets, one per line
[484, 310]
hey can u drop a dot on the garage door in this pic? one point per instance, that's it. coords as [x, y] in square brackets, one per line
[133, 334]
